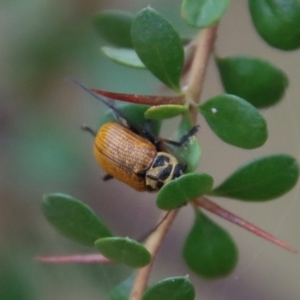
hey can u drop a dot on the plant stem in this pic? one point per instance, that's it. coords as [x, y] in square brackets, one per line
[196, 76]
[94, 258]
[141, 99]
[194, 87]
[152, 244]
[225, 214]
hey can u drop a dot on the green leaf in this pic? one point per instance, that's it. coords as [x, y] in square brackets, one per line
[203, 13]
[261, 179]
[191, 152]
[277, 22]
[209, 250]
[134, 116]
[159, 46]
[122, 291]
[167, 111]
[124, 250]
[74, 219]
[15, 282]
[173, 288]
[183, 189]
[115, 27]
[252, 79]
[123, 56]
[235, 121]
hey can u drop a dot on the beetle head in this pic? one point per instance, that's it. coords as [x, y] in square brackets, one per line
[164, 168]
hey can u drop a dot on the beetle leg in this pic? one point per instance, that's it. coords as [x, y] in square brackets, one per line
[190, 133]
[107, 177]
[88, 129]
[183, 139]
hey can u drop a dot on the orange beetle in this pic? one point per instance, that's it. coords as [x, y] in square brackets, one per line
[139, 162]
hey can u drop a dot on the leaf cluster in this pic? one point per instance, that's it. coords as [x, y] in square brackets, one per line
[148, 41]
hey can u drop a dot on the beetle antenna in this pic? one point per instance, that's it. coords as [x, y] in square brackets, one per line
[121, 116]
[88, 129]
[111, 106]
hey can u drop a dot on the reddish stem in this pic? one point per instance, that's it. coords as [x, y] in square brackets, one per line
[225, 214]
[196, 76]
[142, 99]
[79, 258]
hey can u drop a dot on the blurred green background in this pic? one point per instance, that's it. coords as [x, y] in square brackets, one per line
[43, 151]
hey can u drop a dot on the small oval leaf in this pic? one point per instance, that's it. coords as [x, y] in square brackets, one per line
[74, 219]
[261, 179]
[124, 250]
[183, 189]
[277, 22]
[203, 13]
[252, 79]
[115, 27]
[123, 56]
[168, 111]
[159, 46]
[191, 152]
[209, 250]
[235, 121]
[174, 288]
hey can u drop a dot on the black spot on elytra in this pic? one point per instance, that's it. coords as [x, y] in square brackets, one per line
[160, 161]
[179, 170]
[165, 173]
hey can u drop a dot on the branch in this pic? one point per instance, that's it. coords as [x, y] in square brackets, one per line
[194, 87]
[78, 258]
[152, 244]
[141, 99]
[196, 76]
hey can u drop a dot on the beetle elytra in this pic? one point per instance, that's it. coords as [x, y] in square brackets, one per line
[139, 160]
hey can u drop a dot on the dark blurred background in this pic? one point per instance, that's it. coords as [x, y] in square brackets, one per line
[43, 151]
